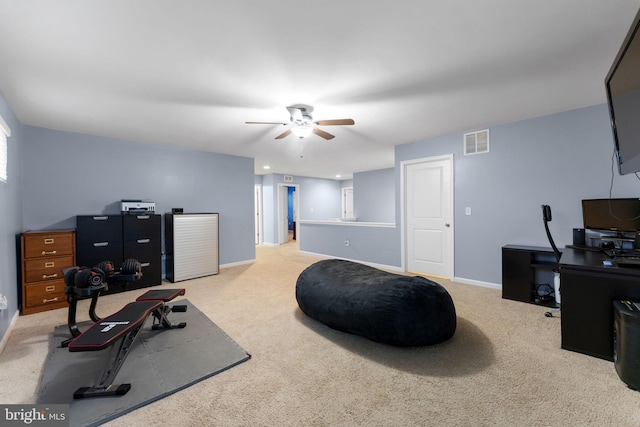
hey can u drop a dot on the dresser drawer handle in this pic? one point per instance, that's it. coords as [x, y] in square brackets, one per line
[144, 240]
[49, 252]
[49, 264]
[143, 217]
[49, 241]
[44, 301]
[50, 289]
[100, 218]
[101, 244]
[50, 276]
[145, 264]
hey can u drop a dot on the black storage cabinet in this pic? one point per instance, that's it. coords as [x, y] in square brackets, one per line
[141, 237]
[99, 238]
[626, 342]
[524, 268]
[118, 237]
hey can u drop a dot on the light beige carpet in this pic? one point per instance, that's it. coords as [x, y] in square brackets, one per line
[504, 365]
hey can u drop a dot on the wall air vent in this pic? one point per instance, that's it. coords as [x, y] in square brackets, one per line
[476, 142]
[288, 178]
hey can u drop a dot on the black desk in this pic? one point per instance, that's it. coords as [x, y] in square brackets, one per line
[587, 290]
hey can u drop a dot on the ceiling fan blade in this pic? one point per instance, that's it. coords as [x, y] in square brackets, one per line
[325, 135]
[265, 123]
[337, 122]
[284, 134]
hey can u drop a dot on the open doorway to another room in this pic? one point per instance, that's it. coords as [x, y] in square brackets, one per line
[288, 204]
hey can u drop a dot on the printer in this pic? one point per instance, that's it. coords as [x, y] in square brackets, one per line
[137, 206]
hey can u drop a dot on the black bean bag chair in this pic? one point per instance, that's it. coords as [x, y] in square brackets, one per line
[384, 307]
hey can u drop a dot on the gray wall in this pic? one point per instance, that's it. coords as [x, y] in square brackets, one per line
[319, 199]
[68, 174]
[374, 196]
[372, 245]
[10, 217]
[558, 160]
[374, 201]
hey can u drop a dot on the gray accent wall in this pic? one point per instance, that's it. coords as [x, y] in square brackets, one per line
[374, 196]
[374, 202]
[319, 199]
[68, 174]
[367, 244]
[557, 159]
[10, 217]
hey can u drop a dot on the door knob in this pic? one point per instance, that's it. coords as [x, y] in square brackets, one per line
[447, 225]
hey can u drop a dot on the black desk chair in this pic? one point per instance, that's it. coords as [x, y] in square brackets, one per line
[546, 217]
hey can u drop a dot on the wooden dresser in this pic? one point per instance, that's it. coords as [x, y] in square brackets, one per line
[44, 255]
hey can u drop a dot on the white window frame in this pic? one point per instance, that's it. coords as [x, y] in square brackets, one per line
[5, 133]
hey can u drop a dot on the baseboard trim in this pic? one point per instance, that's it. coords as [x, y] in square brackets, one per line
[478, 283]
[370, 264]
[7, 334]
[235, 264]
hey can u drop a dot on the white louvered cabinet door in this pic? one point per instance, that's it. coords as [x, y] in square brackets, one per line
[195, 246]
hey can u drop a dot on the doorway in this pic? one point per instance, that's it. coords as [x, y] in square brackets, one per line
[347, 202]
[257, 202]
[427, 193]
[288, 207]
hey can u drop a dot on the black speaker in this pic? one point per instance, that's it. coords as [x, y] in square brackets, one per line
[579, 237]
[626, 342]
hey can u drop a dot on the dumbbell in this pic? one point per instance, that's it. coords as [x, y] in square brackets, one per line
[107, 267]
[131, 266]
[84, 277]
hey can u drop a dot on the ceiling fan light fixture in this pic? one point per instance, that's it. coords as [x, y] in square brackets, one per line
[302, 131]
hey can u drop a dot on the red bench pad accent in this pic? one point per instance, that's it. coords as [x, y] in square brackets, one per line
[107, 331]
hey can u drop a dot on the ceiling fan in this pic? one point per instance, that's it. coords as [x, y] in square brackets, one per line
[304, 124]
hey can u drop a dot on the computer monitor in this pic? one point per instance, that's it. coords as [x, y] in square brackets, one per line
[622, 85]
[619, 215]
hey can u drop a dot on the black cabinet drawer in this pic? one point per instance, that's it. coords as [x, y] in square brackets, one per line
[137, 227]
[142, 249]
[151, 274]
[91, 253]
[99, 228]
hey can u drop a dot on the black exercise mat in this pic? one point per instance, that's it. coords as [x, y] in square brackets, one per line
[159, 364]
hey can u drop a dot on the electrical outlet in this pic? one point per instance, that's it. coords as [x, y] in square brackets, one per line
[346, 242]
[467, 210]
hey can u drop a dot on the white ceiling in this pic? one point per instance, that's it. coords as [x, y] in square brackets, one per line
[191, 72]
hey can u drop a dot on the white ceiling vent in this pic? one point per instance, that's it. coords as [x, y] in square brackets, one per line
[476, 142]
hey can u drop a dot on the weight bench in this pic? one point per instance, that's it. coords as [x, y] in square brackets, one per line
[84, 282]
[123, 327]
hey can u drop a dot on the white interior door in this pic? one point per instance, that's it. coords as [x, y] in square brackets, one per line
[283, 214]
[258, 212]
[347, 202]
[428, 190]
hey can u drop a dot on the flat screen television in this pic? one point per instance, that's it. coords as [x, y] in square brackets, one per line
[620, 215]
[623, 97]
